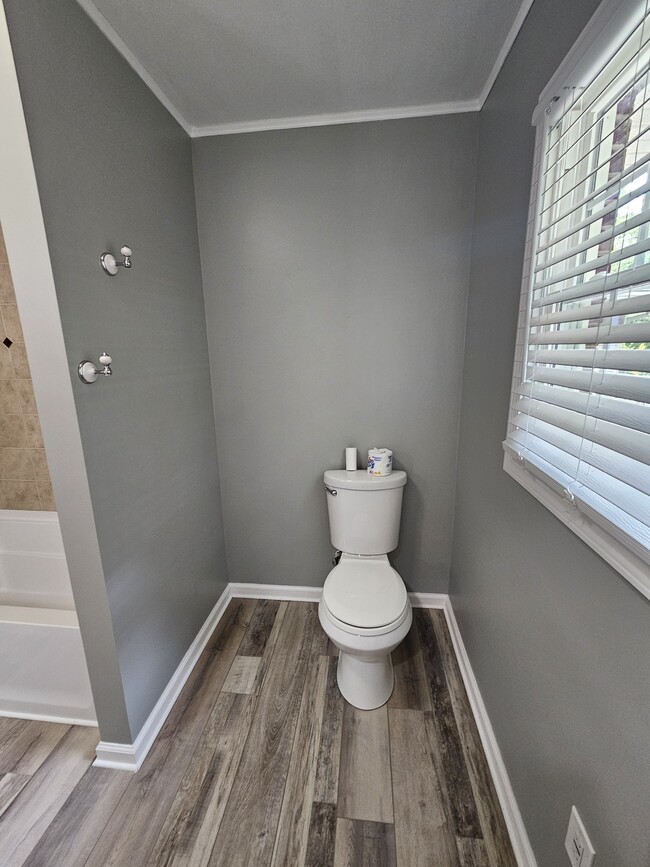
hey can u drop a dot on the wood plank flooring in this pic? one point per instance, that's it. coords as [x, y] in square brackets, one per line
[262, 764]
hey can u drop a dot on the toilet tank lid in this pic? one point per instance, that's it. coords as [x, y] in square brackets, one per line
[361, 480]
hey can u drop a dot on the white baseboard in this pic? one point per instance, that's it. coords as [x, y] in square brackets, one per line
[129, 757]
[295, 593]
[514, 822]
[283, 592]
[428, 600]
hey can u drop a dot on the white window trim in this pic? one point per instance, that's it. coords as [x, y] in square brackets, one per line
[597, 35]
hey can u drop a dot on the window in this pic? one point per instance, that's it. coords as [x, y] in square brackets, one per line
[579, 426]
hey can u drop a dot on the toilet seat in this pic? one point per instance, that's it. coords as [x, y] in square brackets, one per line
[365, 593]
[365, 632]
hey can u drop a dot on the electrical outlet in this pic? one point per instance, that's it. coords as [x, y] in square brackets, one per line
[578, 845]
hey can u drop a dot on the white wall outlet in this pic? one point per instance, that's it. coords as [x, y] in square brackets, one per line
[577, 843]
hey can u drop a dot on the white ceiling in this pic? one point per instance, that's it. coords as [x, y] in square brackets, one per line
[236, 65]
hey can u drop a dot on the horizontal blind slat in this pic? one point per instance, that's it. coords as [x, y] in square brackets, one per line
[627, 413]
[608, 359]
[622, 385]
[593, 242]
[632, 443]
[604, 283]
[590, 175]
[606, 190]
[616, 307]
[633, 533]
[625, 498]
[566, 450]
[604, 261]
[597, 334]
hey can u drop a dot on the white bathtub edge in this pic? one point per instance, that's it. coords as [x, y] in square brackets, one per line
[44, 717]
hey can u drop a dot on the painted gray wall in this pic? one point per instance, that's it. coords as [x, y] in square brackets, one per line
[558, 640]
[112, 167]
[335, 273]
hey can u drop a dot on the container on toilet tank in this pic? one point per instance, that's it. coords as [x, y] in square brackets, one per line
[364, 510]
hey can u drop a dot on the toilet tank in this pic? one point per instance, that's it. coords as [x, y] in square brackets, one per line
[364, 510]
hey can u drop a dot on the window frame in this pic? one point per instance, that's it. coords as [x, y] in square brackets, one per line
[612, 20]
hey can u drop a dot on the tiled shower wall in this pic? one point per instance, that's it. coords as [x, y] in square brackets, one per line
[24, 476]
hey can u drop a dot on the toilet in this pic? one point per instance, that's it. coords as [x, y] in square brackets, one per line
[364, 608]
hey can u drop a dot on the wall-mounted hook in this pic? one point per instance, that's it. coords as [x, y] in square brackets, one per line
[89, 373]
[110, 263]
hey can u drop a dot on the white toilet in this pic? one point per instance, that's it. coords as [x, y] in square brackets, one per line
[364, 608]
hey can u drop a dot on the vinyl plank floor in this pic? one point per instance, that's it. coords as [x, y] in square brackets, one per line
[248, 830]
[423, 834]
[364, 776]
[36, 806]
[261, 762]
[10, 786]
[364, 844]
[411, 690]
[293, 827]
[25, 747]
[133, 828]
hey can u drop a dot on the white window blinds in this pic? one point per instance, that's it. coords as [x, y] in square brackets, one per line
[580, 411]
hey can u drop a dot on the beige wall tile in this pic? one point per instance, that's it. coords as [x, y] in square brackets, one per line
[39, 460]
[19, 495]
[12, 432]
[6, 363]
[10, 397]
[13, 328]
[6, 285]
[48, 503]
[22, 457]
[25, 391]
[33, 431]
[19, 360]
[17, 464]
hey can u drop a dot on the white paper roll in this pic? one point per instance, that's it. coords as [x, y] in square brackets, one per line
[380, 462]
[351, 460]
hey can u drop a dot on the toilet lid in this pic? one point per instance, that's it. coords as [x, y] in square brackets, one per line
[365, 592]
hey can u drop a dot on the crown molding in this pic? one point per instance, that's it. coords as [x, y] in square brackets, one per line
[524, 9]
[118, 43]
[331, 119]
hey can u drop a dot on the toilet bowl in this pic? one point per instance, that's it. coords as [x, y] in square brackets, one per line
[364, 608]
[366, 613]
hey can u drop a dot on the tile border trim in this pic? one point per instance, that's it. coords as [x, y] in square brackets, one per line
[129, 757]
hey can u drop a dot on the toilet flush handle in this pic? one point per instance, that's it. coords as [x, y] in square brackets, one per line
[331, 491]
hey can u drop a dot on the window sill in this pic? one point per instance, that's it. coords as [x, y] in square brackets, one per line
[619, 556]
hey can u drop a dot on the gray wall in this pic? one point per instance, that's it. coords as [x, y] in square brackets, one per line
[335, 272]
[112, 167]
[559, 641]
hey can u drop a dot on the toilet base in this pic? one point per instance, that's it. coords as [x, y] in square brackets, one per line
[365, 683]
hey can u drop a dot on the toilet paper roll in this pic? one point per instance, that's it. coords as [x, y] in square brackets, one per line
[351, 460]
[380, 462]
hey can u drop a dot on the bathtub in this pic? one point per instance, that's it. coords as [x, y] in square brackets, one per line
[43, 673]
